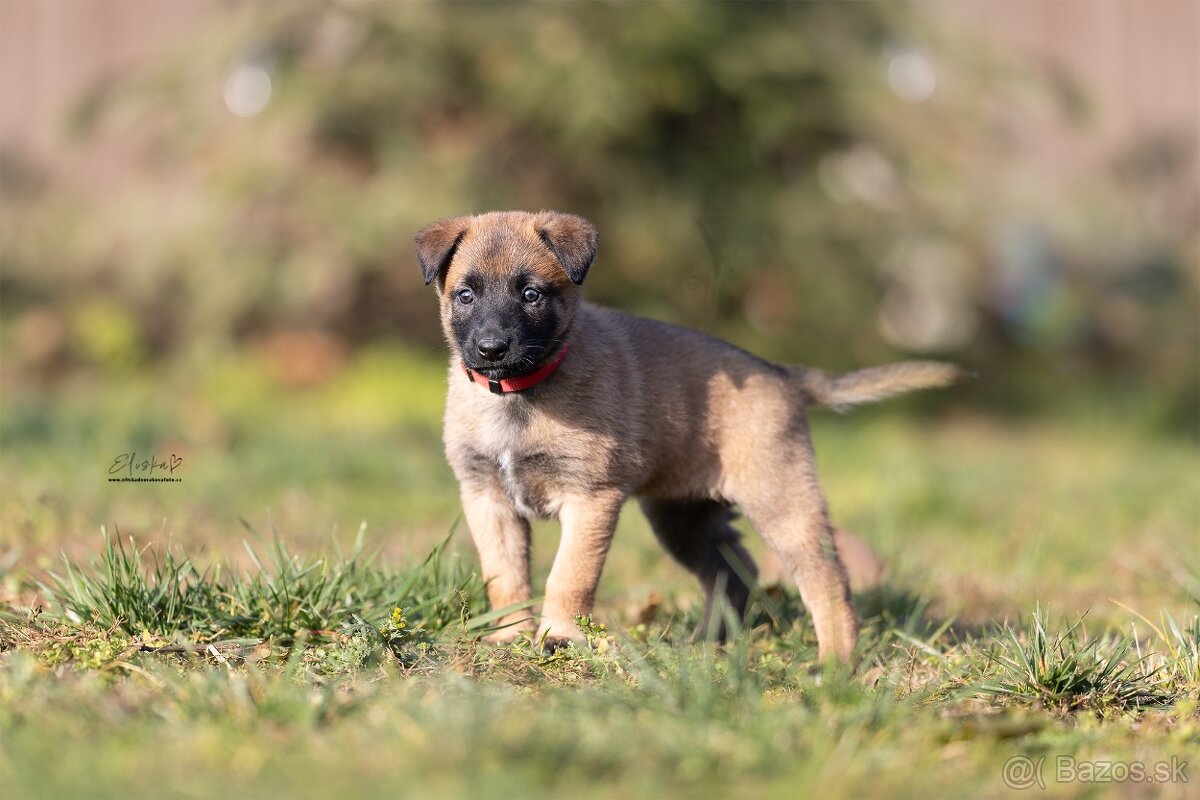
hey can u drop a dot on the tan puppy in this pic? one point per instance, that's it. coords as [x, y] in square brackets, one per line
[559, 408]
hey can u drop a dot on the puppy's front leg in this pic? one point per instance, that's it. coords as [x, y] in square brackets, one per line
[502, 538]
[587, 529]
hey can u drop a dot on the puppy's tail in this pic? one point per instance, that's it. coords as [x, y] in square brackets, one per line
[842, 392]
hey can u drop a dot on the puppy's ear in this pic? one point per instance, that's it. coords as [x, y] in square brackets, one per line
[572, 239]
[436, 243]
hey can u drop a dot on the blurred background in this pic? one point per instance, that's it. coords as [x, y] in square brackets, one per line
[208, 209]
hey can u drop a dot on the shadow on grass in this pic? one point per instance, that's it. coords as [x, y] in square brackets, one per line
[888, 606]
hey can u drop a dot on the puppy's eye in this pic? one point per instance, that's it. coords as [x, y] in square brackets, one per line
[531, 295]
[465, 296]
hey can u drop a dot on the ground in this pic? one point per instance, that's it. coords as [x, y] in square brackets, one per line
[224, 635]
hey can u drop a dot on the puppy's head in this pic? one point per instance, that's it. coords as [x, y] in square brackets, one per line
[508, 283]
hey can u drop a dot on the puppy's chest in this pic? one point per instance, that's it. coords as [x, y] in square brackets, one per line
[537, 467]
[536, 482]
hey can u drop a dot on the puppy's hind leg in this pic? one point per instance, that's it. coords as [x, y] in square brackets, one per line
[698, 535]
[785, 505]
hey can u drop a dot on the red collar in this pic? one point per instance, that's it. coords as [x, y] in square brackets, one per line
[521, 382]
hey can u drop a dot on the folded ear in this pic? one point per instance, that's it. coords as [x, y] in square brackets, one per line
[572, 239]
[436, 243]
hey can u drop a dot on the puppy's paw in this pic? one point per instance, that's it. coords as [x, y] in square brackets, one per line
[554, 635]
[552, 644]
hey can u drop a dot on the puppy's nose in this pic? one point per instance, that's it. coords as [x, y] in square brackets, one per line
[493, 349]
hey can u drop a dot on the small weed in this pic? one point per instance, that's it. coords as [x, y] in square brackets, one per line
[85, 646]
[1068, 671]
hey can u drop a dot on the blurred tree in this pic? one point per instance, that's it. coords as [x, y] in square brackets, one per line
[819, 181]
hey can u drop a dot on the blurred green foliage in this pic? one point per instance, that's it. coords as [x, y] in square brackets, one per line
[750, 168]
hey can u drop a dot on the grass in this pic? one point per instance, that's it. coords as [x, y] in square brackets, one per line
[168, 596]
[1067, 671]
[1041, 600]
[363, 676]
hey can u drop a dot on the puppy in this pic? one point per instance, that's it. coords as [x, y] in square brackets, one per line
[558, 408]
